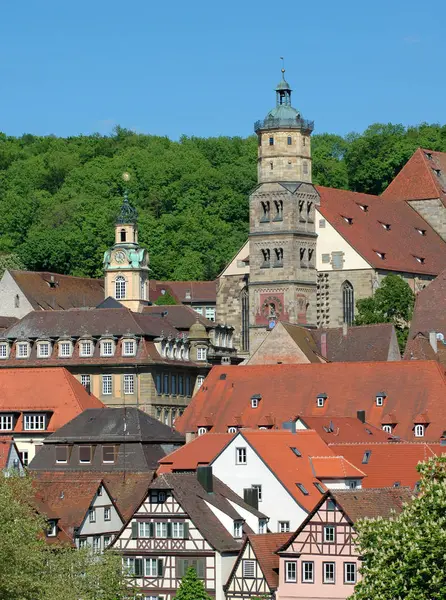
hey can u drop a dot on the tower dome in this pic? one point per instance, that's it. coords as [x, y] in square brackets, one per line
[198, 331]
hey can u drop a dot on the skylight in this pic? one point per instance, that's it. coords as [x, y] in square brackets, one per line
[319, 487]
[366, 457]
[382, 255]
[385, 226]
[437, 172]
[420, 259]
[296, 451]
[303, 489]
[363, 207]
[348, 220]
[421, 231]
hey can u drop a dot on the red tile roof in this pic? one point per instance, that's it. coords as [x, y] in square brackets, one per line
[288, 391]
[334, 467]
[6, 442]
[345, 429]
[430, 308]
[200, 451]
[400, 245]
[418, 179]
[389, 462]
[178, 315]
[264, 547]
[52, 390]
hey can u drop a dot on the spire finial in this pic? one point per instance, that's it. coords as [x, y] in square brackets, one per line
[126, 178]
[283, 67]
[128, 214]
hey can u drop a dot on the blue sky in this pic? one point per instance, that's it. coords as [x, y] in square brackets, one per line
[209, 68]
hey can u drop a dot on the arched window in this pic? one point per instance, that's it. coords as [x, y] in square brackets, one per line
[245, 319]
[120, 287]
[419, 430]
[123, 235]
[348, 302]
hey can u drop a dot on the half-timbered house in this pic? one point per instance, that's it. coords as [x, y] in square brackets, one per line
[321, 559]
[256, 571]
[186, 520]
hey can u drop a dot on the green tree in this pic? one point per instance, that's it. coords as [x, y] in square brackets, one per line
[191, 588]
[404, 557]
[393, 302]
[165, 300]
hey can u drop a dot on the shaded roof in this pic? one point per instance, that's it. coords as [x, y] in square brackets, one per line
[365, 231]
[430, 308]
[200, 451]
[372, 503]
[279, 346]
[287, 391]
[194, 500]
[389, 462]
[345, 429]
[186, 291]
[51, 390]
[94, 322]
[178, 316]
[124, 424]
[418, 179]
[360, 343]
[6, 322]
[420, 348]
[52, 291]
[6, 444]
[264, 547]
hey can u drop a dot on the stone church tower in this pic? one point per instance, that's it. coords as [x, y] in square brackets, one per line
[282, 238]
[126, 264]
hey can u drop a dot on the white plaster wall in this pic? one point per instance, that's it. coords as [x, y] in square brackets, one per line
[28, 442]
[224, 565]
[224, 519]
[232, 268]
[8, 291]
[101, 526]
[328, 241]
[340, 484]
[250, 519]
[277, 503]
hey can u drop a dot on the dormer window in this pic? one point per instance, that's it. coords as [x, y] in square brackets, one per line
[6, 422]
[380, 398]
[65, 349]
[43, 349]
[86, 348]
[52, 528]
[107, 348]
[201, 354]
[420, 259]
[385, 226]
[381, 255]
[419, 430]
[232, 429]
[348, 220]
[320, 401]
[128, 348]
[34, 422]
[255, 400]
[4, 350]
[238, 529]
[387, 428]
[202, 430]
[23, 349]
[363, 207]
[421, 231]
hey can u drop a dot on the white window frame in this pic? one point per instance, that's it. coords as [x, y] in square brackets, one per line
[34, 422]
[25, 346]
[127, 352]
[151, 567]
[96, 543]
[129, 384]
[86, 380]
[346, 575]
[4, 350]
[107, 386]
[290, 571]
[306, 577]
[210, 313]
[258, 487]
[332, 530]
[379, 400]
[248, 568]
[120, 287]
[202, 430]
[262, 526]
[107, 541]
[320, 402]
[241, 456]
[65, 349]
[326, 579]
[238, 529]
[92, 515]
[387, 428]
[419, 430]
[40, 346]
[144, 529]
[177, 530]
[232, 429]
[283, 526]
[105, 344]
[52, 528]
[200, 380]
[161, 529]
[254, 402]
[83, 345]
[6, 422]
[202, 354]
[107, 513]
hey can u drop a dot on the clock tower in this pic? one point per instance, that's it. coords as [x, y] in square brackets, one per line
[126, 267]
[282, 238]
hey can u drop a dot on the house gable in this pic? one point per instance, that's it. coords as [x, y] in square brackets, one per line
[247, 578]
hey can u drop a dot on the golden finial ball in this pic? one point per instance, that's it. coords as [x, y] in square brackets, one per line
[126, 176]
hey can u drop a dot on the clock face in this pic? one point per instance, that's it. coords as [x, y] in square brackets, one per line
[119, 256]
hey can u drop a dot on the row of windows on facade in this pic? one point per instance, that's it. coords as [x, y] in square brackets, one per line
[121, 288]
[305, 211]
[98, 544]
[85, 454]
[154, 567]
[306, 258]
[65, 349]
[182, 352]
[289, 140]
[206, 311]
[175, 385]
[168, 414]
[308, 574]
[31, 421]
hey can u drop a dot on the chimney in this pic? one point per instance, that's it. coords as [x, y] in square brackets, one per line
[324, 345]
[289, 426]
[251, 497]
[204, 476]
[361, 415]
[433, 340]
[344, 329]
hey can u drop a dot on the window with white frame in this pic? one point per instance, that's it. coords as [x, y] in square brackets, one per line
[210, 313]
[161, 530]
[107, 385]
[202, 430]
[65, 349]
[120, 287]
[86, 381]
[52, 528]
[258, 487]
[349, 572]
[129, 565]
[96, 543]
[34, 422]
[240, 456]
[107, 513]
[248, 568]
[107, 540]
[24, 457]
[151, 567]
[43, 349]
[200, 381]
[129, 384]
[379, 400]
[307, 571]
[238, 529]
[284, 526]
[4, 350]
[290, 571]
[6, 422]
[107, 348]
[201, 353]
[262, 526]
[419, 430]
[232, 429]
[329, 534]
[178, 530]
[86, 348]
[144, 529]
[23, 349]
[92, 515]
[328, 572]
[128, 348]
[387, 428]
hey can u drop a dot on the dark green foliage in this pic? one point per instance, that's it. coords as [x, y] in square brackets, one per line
[191, 588]
[165, 300]
[59, 197]
[393, 302]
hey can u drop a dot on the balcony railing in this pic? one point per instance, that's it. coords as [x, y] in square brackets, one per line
[271, 123]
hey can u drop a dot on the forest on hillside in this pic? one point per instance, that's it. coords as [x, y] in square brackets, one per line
[59, 196]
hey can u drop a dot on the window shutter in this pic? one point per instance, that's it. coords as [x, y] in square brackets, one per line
[169, 530]
[181, 568]
[138, 567]
[152, 529]
[134, 530]
[160, 567]
[186, 531]
[200, 567]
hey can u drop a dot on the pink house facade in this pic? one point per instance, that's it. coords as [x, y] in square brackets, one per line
[321, 559]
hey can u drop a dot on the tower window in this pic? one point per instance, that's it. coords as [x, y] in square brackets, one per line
[271, 166]
[278, 258]
[305, 168]
[348, 303]
[271, 141]
[245, 319]
[123, 235]
[304, 141]
[289, 140]
[279, 210]
[266, 207]
[120, 287]
[266, 258]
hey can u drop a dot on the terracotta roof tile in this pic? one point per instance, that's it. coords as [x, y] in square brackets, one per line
[334, 467]
[264, 547]
[344, 429]
[430, 308]
[201, 451]
[372, 503]
[5, 449]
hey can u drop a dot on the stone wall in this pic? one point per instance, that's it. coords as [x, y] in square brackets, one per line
[434, 212]
[229, 306]
[282, 161]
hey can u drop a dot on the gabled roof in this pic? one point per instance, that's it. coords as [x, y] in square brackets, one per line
[345, 429]
[52, 291]
[190, 292]
[194, 500]
[200, 451]
[287, 343]
[430, 308]
[51, 390]
[179, 316]
[291, 390]
[419, 178]
[6, 322]
[358, 343]
[6, 445]
[334, 467]
[389, 462]
[386, 229]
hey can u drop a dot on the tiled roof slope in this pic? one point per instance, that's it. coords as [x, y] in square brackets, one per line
[200, 451]
[400, 245]
[418, 179]
[6, 442]
[372, 503]
[360, 343]
[345, 429]
[52, 291]
[6, 322]
[52, 390]
[178, 316]
[200, 291]
[389, 463]
[287, 391]
[264, 547]
[194, 500]
[430, 308]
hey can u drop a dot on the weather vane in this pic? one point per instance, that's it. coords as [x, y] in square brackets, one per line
[283, 64]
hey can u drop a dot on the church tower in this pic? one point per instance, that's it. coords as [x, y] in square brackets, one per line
[126, 267]
[282, 238]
